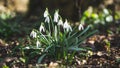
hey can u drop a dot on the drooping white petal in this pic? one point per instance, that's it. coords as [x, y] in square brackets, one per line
[46, 13]
[66, 26]
[60, 22]
[38, 44]
[41, 28]
[69, 29]
[47, 19]
[80, 27]
[33, 34]
[56, 16]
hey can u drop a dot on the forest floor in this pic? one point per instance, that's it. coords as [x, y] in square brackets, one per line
[102, 55]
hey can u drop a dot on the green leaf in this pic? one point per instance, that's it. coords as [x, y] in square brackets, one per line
[74, 48]
[76, 40]
[84, 31]
[41, 58]
[86, 36]
[34, 53]
[48, 48]
[78, 34]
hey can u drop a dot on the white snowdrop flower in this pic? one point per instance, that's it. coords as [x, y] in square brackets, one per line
[66, 26]
[47, 19]
[46, 13]
[27, 47]
[38, 44]
[42, 28]
[106, 11]
[109, 18]
[80, 27]
[56, 16]
[33, 34]
[60, 22]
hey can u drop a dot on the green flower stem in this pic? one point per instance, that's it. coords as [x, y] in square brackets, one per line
[56, 33]
[52, 23]
[66, 43]
[49, 29]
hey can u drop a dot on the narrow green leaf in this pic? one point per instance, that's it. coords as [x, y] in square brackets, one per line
[48, 48]
[85, 30]
[86, 36]
[41, 58]
[78, 34]
[34, 53]
[74, 48]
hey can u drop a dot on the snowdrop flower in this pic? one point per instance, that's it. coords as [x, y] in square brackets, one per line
[47, 19]
[60, 22]
[109, 18]
[80, 27]
[106, 11]
[66, 26]
[56, 16]
[33, 34]
[27, 47]
[38, 44]
[46, 13]
[42, 28]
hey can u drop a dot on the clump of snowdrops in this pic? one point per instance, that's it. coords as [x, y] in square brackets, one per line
[57, 39]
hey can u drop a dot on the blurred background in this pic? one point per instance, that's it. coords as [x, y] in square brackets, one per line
[71, 9]
[15, 14]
